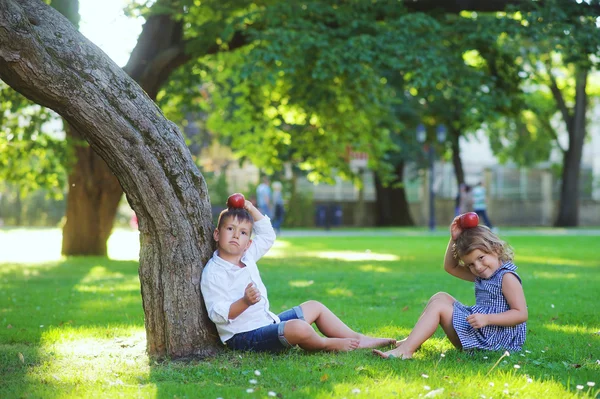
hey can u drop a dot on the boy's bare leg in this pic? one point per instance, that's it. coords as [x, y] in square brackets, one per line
[299, 332]
[437, 312]
[331, 326]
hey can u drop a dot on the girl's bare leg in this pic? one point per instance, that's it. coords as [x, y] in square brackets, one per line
[331, 326]
[437, 312]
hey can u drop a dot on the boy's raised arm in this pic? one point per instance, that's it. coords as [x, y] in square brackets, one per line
[264, 234]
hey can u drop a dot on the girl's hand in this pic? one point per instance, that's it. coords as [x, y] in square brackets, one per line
[478, 320]
[455, 229]
[251, 294]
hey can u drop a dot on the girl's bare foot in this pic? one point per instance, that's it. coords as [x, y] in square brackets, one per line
[371, 342]
[341, 344]
[397, 352]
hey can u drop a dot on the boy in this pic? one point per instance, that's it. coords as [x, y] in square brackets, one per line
[237, 302]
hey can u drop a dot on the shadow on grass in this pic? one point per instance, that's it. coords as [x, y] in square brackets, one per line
[47, 298]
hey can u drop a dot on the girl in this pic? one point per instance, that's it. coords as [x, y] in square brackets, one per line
[497, 321]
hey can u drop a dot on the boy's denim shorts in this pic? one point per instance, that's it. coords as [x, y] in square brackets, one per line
[268, 338]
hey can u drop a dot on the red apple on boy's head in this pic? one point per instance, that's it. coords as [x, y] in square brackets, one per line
[469, 220]
[236, 200]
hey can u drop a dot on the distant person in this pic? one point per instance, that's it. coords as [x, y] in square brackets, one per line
[278, 211]
[263, 197]
[236, 297]
[465, 200]
[498, 318]
[479, 204]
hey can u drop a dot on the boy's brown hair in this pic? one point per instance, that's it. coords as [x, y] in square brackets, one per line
[482, 238]
[240, 214]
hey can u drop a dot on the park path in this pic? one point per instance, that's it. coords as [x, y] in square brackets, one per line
[390, 232]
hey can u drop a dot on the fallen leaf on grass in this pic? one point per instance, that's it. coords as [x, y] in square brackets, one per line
[324, 377]
[9, 326]
[21, 358]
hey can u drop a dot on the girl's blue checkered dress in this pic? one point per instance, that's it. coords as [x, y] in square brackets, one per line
[488, 300]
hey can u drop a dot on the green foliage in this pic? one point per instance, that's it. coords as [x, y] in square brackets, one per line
[33, 152]
[37, 208]
[74, 327]
[549, 43]
[299, 210]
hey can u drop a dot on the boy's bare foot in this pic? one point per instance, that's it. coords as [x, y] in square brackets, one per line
[371, 342]
[393, 353]
[342, 344]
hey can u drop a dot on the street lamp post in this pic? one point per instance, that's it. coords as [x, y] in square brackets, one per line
[421, 138]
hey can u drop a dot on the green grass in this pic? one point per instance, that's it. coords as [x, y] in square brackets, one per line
[74, 328]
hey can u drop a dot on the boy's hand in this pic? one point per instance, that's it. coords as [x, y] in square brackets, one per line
[255, 213]
[455, 229]
[478, 320]
[251, 294]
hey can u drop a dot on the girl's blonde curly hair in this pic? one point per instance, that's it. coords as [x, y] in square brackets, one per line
[482, 238]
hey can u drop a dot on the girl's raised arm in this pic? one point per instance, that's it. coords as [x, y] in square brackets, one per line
[450, 262]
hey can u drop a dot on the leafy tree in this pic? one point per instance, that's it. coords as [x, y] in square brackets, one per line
[557, 46]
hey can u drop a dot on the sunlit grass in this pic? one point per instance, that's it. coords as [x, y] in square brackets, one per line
[73, 327]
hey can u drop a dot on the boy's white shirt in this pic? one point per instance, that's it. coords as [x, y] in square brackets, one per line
[223, 283]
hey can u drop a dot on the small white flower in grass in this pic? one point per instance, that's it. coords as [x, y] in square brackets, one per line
[434, 393]
[597, 361]
[253, 381]
[552, 306]
[41, 326]
[356, 391]
[520, 354]
[483, 396]
[491, 384]
[442, 355]
[517, 366]
[427, 387]
[256, 372]
[506, 384]
[485, 358]
[543, 351]
[529, 380]
[526, 351]
[506, 353]
[272, 394]
[591, 383]
[580, 387]
[505, 392]
[250, 390]
[424, 376]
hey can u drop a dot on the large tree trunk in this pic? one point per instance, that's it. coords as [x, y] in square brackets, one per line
[392, 206]
[94, 192]
[92, 202]
[45, 58]
[568, 211]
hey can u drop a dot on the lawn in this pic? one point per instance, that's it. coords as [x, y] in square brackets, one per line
[74, 327]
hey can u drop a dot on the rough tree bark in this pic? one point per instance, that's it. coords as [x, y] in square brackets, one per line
[94, 192]
[45, 58]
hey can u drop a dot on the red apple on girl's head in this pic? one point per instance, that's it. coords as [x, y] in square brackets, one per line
[469, 220]
[236, 200]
